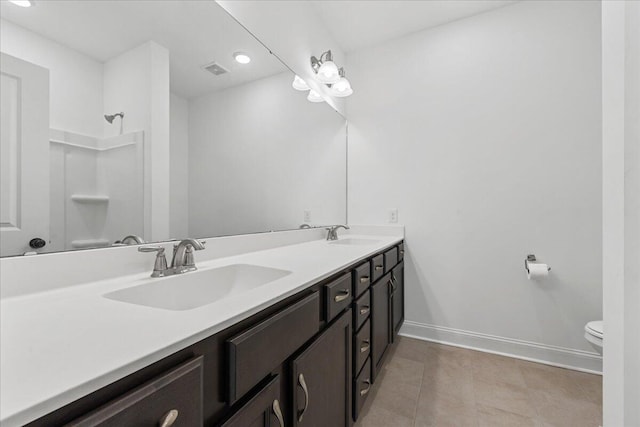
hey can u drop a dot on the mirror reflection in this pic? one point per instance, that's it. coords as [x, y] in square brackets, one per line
[125, 122]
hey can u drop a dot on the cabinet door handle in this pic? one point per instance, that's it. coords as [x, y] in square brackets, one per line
[344, 294]
[169, 418]
[364, 310]
[401, 252]
[278, 412]
[378, 267]
[303, 384]
[365, 347]
[366, 390]
[364, 279]
[393, 283]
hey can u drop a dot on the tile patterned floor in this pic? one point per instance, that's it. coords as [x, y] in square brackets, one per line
[425, 384]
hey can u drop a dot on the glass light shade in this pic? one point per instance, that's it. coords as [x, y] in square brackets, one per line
[22, 3]
[314, 96]
[299, 84]
[342, 88]
[328, 73]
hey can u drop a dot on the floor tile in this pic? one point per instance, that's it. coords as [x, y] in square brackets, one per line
[493, 417]
[564, 411]
[507, 397]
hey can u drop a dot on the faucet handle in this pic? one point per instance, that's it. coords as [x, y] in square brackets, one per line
[160, 266]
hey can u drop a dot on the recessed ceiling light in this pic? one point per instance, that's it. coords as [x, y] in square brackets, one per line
[22, 3]
[241, 57]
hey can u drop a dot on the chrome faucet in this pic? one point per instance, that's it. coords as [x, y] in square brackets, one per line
[131, 239]
[182, 260]
[332, 232]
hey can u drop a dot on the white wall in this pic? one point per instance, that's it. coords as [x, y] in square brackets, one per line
[621, 211]
[137, 83]
[485, 134]
[259, 155]
[179, 168]
[294, 31]
[75, 79]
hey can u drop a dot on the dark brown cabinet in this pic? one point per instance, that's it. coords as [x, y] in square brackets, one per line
[308, 360]
[264, 409]
[174, 398]
[380, 324]
[397, 298]
[322, 378]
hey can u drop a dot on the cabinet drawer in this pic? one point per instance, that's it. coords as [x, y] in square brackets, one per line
[177, 393]
[361, 388]
[377, 269]
[337, 296]
[361, 310]
[361, 278]
[390, 259]
[254, 353]
[263, 409]
[361, 347]
[400, 252]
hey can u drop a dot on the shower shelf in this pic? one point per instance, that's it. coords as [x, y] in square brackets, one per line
[89, 243]
[86, 198]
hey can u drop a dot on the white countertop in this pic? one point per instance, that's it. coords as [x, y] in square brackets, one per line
[60, 345]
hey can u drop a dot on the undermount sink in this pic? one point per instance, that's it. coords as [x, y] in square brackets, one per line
[354, 242]
[198, 288]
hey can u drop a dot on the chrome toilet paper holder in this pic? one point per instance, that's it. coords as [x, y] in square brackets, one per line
[531, 258]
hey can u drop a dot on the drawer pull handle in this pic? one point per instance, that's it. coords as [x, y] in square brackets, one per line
[344, 294]
[303, 384]
[169, 418]
[365, 347]
[366, 390]
[364, 279]
[378, 267]
[278, 412]
[364, 310]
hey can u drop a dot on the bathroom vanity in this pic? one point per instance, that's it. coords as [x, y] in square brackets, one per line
[307, 357]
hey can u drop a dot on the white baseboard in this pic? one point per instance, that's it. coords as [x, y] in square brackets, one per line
[578, 360]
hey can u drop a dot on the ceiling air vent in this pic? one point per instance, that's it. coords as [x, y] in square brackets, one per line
[216, 69]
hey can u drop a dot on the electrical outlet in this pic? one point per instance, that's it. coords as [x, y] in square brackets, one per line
[307, 216]
[393, 215]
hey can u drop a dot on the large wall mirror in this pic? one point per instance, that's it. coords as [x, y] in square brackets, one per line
[135, 118]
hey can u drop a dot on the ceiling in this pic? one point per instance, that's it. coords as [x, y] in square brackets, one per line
[195, 32]
[356, 24]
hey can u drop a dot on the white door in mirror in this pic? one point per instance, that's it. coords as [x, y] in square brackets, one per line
[24, 146]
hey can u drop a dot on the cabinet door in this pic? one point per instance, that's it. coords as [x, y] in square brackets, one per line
[380, 321]
[262, 410]
[397, 297]
[322, 378]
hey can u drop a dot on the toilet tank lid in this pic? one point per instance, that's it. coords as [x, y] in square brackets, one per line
[595, 328]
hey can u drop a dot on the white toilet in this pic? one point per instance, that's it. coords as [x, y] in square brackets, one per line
[593, 334]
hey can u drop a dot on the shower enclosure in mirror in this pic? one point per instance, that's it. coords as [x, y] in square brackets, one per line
[143, 120]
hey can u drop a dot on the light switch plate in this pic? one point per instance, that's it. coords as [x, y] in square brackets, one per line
[307, 216]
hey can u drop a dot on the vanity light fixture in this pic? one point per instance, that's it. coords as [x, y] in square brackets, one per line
[342, 87]
[299, 84]
[242, 57]
[314, 96]
[22, 3]
[326, 70]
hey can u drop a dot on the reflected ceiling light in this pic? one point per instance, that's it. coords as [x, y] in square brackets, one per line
[299, 84]
[314, 96]
[342, 88]
[22, 3]
[241, 57]
[326, 70]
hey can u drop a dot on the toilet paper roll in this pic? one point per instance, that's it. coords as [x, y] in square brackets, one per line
[537, 271]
